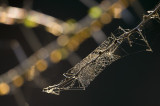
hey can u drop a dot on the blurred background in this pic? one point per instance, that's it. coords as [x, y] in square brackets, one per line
[42, 39]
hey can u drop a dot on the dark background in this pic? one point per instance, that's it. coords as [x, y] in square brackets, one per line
[130, 81]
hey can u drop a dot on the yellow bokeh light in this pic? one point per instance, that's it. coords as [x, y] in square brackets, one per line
[64, 53]
[62, 40]
[117, 12]
[29, 22]
[18, 81]
[95, 12]
[70, 25]
[85, 33]
[106, 18]
[117, 8]
[4, 88]
[79, 37]
[96, 25]
[30, 74]
[71, 21]
[73, 44]
[41, 65]
[56, 56]
[55, 29]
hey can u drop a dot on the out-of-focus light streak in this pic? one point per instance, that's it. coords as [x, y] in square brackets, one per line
[31, 38]
[11, 15]
[55, 29]
[18, 51]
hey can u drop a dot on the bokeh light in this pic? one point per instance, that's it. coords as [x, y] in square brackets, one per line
[29, 75]
[69, 25]
[96, 25]
[4, 88]
[18, 81]
[62, 40]
[106, 18]
[55, 29]
[41, 65]
[55, 56]
[29, 22]
[95, 12]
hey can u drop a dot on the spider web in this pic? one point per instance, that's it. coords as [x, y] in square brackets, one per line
[109, 51]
